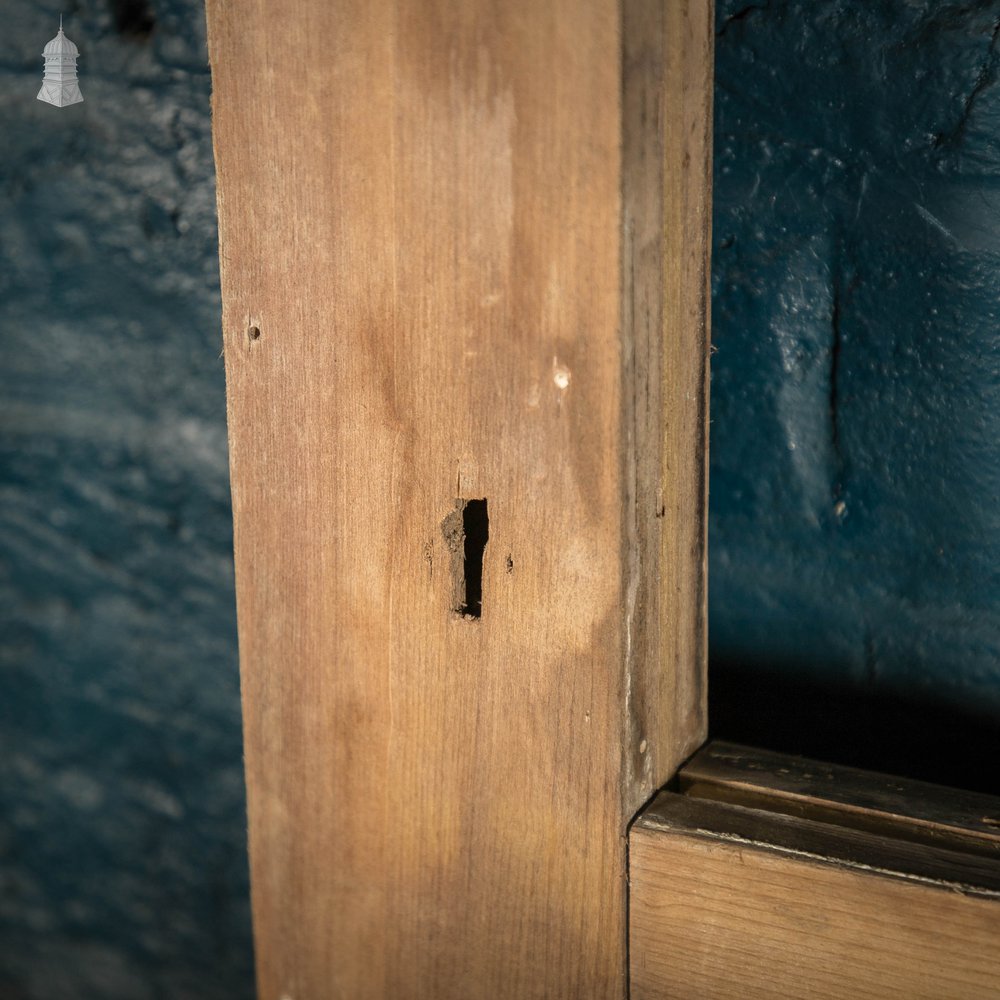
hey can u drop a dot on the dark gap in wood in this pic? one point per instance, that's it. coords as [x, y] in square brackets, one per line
[476, 525]
[466, 531]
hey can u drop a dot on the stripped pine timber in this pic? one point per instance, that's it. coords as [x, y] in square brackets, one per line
[450, 344]
[827, 896]
[849, 797]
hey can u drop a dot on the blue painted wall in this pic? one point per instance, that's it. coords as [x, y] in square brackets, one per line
[855, 440]
[855, 454]
[122, 818]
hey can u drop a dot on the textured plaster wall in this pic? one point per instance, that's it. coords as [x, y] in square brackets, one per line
[122, 818]
[855, 440]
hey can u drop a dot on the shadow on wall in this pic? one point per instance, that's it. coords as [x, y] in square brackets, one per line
[896, 732]
[855, 444]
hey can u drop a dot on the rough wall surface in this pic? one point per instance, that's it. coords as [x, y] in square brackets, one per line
[122, 823]
[855, 443]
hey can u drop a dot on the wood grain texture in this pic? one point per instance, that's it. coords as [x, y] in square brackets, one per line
[421, 212]
[863, 800]
[953, 863]
[667, 226]
[734, 902]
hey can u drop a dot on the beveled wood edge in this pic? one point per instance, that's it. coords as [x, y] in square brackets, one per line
[821, 843]
[865, 800]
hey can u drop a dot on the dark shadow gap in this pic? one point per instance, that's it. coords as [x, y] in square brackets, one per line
[476, 525]
[845, 724]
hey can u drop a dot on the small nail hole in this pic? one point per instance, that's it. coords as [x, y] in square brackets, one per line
[254, 332]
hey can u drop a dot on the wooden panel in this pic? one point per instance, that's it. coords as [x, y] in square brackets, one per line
[733, 901]
[421, 218]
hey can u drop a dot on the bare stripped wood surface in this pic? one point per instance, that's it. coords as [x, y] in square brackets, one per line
[730, 902]
[667, 227]
[449, 697]
[866, 800]
[946, 863]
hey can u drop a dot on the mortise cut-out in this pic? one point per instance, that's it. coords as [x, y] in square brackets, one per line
[476, 521]
[466, 531]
